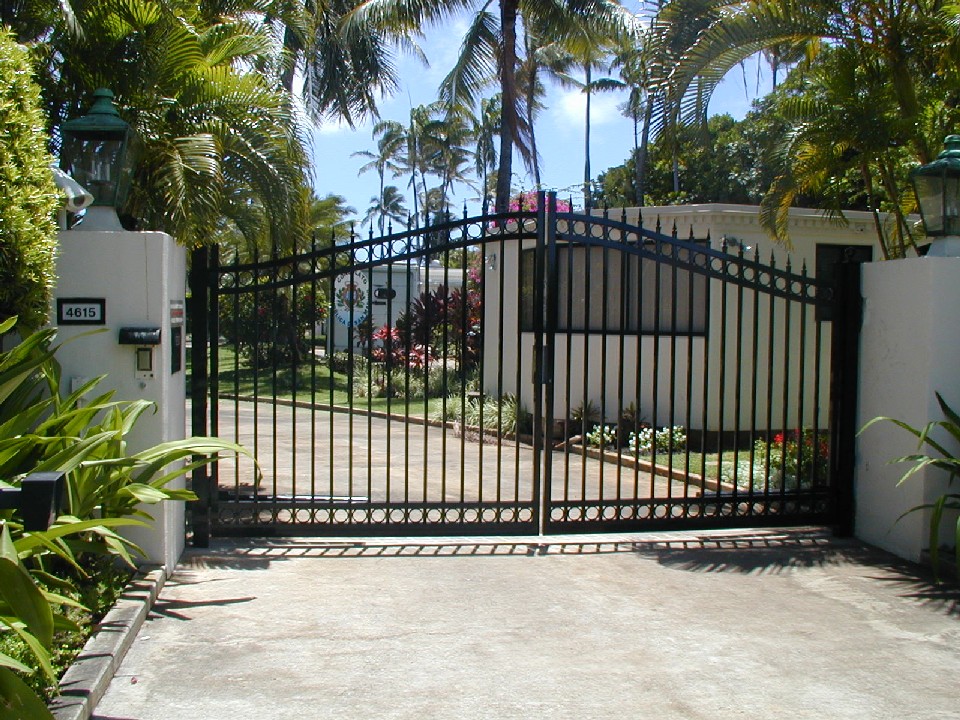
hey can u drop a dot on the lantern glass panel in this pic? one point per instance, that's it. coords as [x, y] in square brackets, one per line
[951, 205]
[97, 163]
[930, 193]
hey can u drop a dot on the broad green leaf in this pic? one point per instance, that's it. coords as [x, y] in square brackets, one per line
[7, 661]
[18, 701]
[26, 600]
[145, 493]
[70, 526]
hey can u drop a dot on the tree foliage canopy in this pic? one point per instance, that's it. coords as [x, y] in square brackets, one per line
[28, 196]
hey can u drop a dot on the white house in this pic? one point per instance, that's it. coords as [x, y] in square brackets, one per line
[708, 354]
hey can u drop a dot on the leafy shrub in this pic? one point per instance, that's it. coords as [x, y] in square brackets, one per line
[504, 414]
[791, 461]
[585, 416]
[944, 460]
[28, 195]
[348, 363]
[270, 327]
[602, 436]
[666, 440]
[44, 431]
[439, 324]
[629, 422]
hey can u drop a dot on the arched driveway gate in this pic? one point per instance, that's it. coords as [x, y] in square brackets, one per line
[532, 372]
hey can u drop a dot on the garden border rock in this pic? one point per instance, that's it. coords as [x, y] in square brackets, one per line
[86, 680]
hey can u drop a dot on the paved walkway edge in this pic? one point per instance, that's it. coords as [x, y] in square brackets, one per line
[87, 679]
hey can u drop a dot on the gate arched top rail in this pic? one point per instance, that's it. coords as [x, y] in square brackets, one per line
[601, 231]
[696, 256]
[369, 252]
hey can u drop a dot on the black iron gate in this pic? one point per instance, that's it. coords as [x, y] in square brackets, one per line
[531, 372]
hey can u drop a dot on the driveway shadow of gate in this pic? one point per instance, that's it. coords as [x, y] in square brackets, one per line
[714, 551]
[765, 551]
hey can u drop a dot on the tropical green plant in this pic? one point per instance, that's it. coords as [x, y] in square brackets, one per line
[386, 209]
[273, 328]
[585, 415]
[84, 436]
[944, 459]
[28, 196]
[503, 414]
[31, 614]
[885, 97]
[389, 142]
[198, 82]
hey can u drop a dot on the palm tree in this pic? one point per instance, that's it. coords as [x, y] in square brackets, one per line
[587, 52]
[675, 25]
[213, 128]
[343, 72]
[448, 154]
[388, 206]
[906, 48]
[485, 127]
[541, 57]
[489, 50]
[390, 142]
[630, 59]
[845, 124]
[908, 41]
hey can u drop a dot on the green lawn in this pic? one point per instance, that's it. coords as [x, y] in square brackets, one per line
[312, 380]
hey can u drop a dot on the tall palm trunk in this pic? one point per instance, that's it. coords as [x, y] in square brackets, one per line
[508, 66]
[642, 152]
[587, 199]
[531, 92]
[635, 116]
[382, 169]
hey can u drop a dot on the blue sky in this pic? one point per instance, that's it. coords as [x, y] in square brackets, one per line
[559, 128]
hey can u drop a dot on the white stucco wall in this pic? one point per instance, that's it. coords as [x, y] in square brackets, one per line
[910, 349]
[139, 275]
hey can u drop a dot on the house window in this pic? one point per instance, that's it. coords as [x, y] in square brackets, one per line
[610, 291]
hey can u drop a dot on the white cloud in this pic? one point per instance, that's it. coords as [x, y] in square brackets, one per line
[572, 107]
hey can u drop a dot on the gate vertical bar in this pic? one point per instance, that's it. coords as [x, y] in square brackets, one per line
[213, 349]
[199, 288]
[538, 360]
[549, 353]
[844, 372]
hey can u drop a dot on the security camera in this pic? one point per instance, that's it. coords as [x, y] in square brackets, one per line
[77, 196]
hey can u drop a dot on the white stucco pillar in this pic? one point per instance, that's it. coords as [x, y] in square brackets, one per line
[139, 280]
[910, 349]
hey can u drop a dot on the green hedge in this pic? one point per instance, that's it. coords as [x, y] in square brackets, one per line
[28, 196]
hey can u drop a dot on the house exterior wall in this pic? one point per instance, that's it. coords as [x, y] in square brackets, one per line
[689, 380]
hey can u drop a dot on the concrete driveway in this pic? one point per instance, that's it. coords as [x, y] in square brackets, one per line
[746, 624]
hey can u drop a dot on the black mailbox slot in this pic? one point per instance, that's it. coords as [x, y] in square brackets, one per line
[140, 336]
[176, 348]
